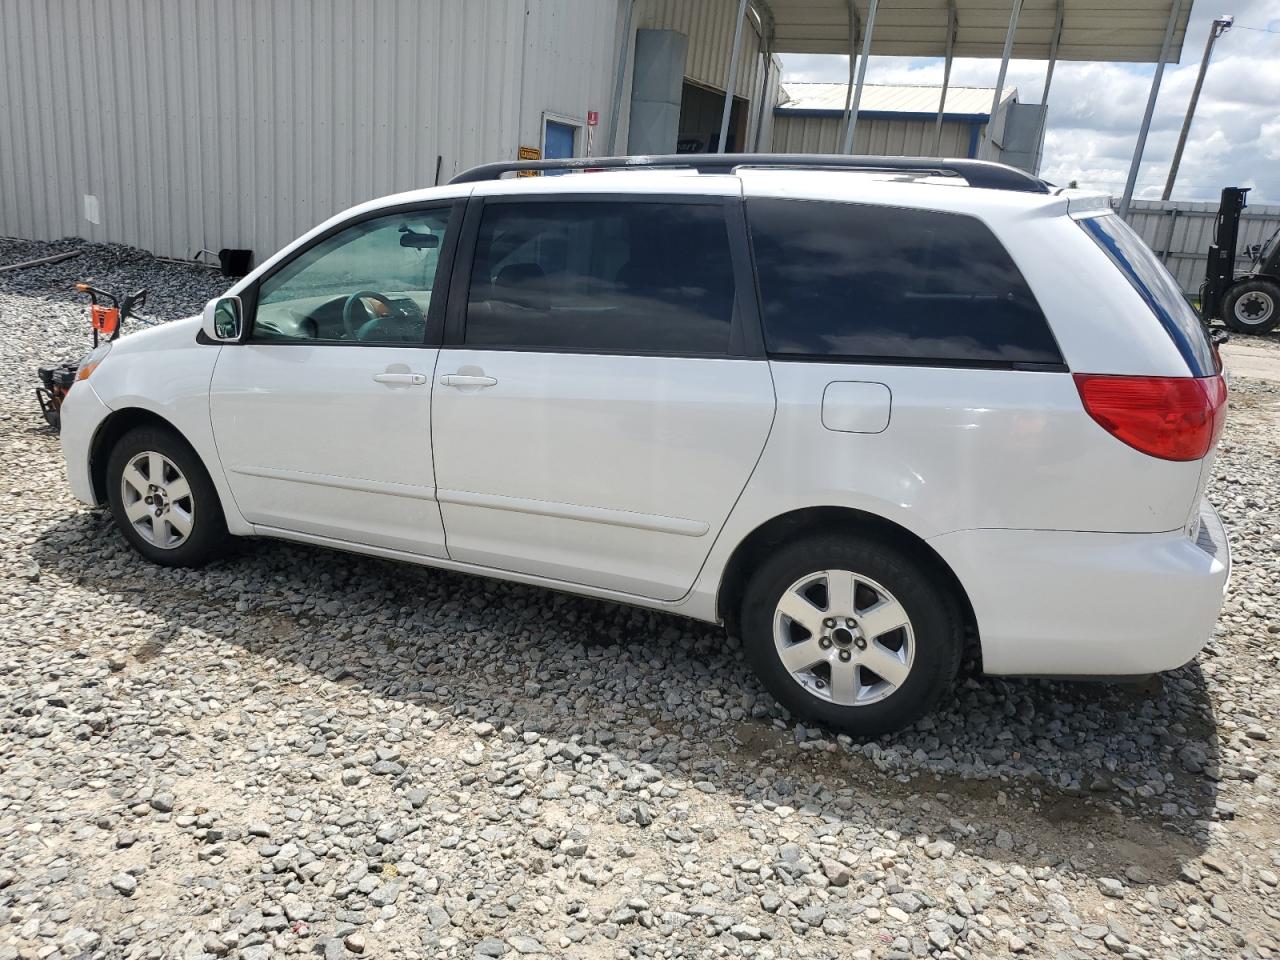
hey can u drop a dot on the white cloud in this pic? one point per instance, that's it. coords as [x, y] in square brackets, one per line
[1095, 108]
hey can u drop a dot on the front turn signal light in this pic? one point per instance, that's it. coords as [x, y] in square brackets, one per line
[91, 361]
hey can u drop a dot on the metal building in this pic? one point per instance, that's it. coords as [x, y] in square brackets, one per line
[895, 120]
[181, 125]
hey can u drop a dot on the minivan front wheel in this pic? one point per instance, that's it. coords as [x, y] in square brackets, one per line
[162, 499]
[852, 633]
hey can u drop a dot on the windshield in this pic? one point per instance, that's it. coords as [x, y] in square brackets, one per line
[1158, 288]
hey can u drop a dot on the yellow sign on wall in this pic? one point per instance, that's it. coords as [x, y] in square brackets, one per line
[528, 153]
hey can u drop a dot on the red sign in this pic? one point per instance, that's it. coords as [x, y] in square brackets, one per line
[593, 118]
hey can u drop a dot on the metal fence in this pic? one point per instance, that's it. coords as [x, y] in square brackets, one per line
[1180, 231]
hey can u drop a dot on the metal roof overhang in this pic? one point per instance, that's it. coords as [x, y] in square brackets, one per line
[1091, 29]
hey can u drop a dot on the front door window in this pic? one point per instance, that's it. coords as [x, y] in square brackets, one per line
[369, 283]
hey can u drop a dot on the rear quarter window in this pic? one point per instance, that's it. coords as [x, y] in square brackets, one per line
[888, 284]
[1157, 287]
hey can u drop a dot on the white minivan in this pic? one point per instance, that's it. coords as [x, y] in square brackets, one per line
[867, 412]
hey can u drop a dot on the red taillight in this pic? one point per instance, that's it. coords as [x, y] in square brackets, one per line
[1173, 418]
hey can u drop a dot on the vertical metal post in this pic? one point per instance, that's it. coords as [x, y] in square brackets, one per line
[862, 76]
[623, 50]
[733, 75]
[953, 24]
[1141, 145]
[767, 44]
[1167, 250]
[853, 65]
[1053, 51]
[989, 147]
[1219, 26]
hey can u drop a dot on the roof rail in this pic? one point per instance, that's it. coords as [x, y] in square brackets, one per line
[977, 173]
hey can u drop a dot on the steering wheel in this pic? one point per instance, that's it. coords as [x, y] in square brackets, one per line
[351, 324]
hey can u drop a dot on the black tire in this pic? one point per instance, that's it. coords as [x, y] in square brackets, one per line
[934, 618]
[1252, 306]
[207, 538]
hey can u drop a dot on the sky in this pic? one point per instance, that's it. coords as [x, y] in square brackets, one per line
[1095, 109]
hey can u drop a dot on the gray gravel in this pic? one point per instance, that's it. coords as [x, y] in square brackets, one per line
[303, 752]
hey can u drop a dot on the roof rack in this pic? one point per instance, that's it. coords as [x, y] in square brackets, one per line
[977, 173]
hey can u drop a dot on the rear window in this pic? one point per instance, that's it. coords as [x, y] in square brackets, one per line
[888, 284]
[1161, 292]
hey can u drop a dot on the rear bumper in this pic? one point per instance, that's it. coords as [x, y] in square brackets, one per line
[1061, 603]
[82, 413]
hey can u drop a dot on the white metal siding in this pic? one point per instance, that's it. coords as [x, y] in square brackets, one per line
[898, 97]
[569, 56]
[878, 137]
[212, 123]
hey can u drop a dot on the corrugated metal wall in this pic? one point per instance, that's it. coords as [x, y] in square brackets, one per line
[570, 53]
[1180, 231]
[709, 26]
[875, 136]
[241, 123]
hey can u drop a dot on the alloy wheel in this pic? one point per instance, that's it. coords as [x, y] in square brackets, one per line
[844, 637]
[157, 500]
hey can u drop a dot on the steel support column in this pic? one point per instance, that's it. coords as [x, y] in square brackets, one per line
[624, 51]
[1053, 51]
[853, 65]
[862, 76]
[989, 147]
[733, 74]
[953, 24]
[766, 42]
[1141, 145]
[1220, 26]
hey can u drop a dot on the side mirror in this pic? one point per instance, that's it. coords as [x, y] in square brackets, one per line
[223, 319]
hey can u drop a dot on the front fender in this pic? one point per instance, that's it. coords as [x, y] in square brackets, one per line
[165, 372]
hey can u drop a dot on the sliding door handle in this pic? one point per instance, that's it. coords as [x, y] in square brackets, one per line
[404, 379]
[466, 380]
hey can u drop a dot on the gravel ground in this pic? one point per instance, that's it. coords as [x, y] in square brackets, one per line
[303, 752]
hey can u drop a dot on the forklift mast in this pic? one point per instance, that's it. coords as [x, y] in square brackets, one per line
[1220, 270]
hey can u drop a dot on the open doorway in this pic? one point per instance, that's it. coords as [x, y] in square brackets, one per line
[701, 109]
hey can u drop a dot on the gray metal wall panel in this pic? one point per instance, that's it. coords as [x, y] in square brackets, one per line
[709, 26]
[1180, 231]
[764, 113]
[660, 57]
[242, 123]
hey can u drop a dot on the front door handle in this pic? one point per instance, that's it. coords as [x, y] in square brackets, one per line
[406, 379]
[466, 380]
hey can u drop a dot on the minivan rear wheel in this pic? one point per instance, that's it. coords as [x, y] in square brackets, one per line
[854, 634]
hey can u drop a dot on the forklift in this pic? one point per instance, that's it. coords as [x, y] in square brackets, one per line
[1248, 302]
